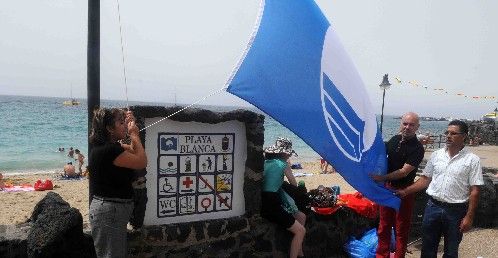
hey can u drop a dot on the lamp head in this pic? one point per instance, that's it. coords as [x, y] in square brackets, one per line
[385, 82]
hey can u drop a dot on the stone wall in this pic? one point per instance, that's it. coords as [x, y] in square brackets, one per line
[486, 131]
[249, 237]
[212, 238]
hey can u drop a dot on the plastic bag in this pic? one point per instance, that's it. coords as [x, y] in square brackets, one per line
[363, 247]
[357, 249]
[371, 240]
[367, 244]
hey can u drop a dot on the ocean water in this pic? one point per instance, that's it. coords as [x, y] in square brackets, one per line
[33, 128]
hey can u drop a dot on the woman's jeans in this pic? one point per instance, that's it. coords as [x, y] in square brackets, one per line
[442, 219]
[108, 219]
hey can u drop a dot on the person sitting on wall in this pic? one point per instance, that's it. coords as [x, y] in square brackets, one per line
[425, 139]
[277, 206]
[86, 172]
[478, 140]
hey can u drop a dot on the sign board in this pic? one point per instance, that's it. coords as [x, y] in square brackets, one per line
[195, 171]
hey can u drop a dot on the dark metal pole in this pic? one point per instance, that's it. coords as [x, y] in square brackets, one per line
[382, 112]
[93, 67]
[93, 61]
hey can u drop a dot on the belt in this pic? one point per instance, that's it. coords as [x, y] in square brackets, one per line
[447, 204]
[139, 183]
[113, 200]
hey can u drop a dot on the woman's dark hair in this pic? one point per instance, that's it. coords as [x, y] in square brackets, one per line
[276, 156]
[103, 118]
[461, 125]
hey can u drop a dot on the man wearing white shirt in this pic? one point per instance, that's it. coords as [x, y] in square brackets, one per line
[452, 176]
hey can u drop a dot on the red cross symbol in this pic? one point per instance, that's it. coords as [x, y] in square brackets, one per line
[187, 182]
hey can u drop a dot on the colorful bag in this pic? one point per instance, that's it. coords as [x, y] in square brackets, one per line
[360, 204]
[42, 186]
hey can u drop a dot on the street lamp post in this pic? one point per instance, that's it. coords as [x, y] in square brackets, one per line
[384, 86]
[496, 111]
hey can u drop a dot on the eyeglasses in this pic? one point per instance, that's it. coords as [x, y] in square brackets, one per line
[452, 133]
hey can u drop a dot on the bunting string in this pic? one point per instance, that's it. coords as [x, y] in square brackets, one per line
[416, 84]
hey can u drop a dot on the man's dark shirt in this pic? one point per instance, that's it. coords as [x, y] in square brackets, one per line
[410, 152]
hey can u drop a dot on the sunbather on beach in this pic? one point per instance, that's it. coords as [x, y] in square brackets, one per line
[111, 167]
[69, 170]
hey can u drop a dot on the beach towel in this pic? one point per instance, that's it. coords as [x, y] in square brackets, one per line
[18, 188]
[301, 174]
[64, 177]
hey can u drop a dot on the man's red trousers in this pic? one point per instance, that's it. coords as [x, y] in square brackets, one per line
[401, 221]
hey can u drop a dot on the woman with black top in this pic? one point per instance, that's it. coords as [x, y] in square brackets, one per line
[111, 167]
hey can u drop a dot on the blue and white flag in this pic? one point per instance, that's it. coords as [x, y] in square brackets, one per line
[296, 70]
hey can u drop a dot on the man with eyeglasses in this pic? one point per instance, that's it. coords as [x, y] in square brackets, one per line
[404, 154]
[452, 176]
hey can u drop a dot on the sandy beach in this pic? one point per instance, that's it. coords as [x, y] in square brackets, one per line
[18, 206]
[75, 192]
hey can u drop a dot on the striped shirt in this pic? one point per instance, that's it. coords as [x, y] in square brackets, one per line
[452, 177]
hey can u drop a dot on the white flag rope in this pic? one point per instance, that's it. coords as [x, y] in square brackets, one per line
[197, 102]
[123, 55]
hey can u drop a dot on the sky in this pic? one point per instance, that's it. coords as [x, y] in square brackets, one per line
[182, 51]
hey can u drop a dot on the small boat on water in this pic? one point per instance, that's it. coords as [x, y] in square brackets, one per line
[72, 101]
[491, 117]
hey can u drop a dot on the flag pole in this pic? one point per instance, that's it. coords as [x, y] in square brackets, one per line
[93, 66]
